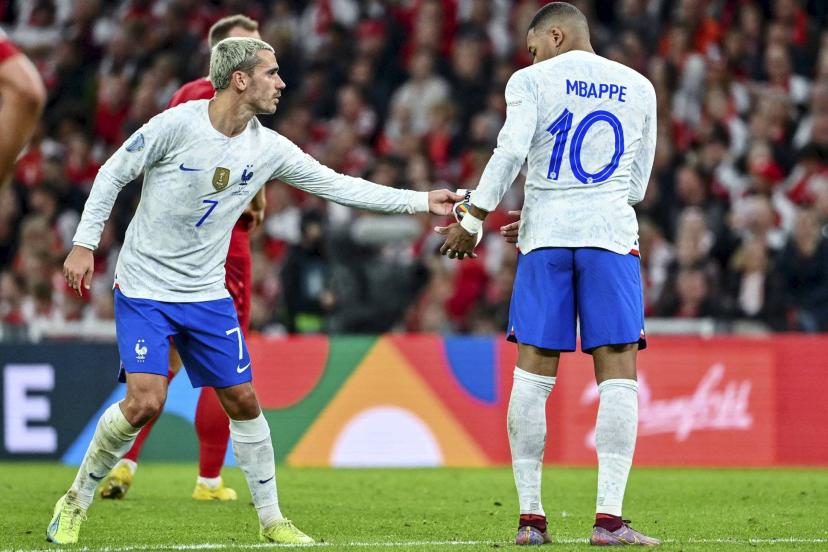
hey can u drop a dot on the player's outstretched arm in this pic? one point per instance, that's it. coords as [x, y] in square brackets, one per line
[306, 173]
[78, 268]
[22, 97]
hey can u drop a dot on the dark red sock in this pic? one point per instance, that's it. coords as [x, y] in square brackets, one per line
[533, 520]
[608, 522]
[213, 429]
[135, 451]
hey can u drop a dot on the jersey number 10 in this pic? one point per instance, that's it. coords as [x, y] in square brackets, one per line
[560, 130]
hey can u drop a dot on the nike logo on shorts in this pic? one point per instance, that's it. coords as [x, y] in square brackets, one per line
[241, 369]
[187, 169]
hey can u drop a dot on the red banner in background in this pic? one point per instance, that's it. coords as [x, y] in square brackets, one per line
[697, 405]
[725, 401]
[801, 407]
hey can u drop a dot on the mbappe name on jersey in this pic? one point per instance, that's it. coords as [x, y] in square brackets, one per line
[596, 90]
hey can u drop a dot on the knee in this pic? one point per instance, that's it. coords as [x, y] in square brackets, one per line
[246, 408]
[242, 404]
[141, 409]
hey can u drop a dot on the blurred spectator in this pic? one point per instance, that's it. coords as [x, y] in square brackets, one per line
[691, 296]
[755, 288]
[804, 268]
[306, 279]
[413, 100]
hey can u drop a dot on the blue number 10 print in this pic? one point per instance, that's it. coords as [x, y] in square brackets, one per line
[560, 130]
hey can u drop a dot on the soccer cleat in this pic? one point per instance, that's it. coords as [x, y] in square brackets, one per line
[527, 534]
[283, 532]
[624, 535]
[117, 483]
[203, 492]
[66, 521]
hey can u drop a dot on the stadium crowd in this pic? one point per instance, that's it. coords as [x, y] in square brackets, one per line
[410, 93]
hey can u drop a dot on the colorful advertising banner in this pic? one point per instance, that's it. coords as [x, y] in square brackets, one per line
[428, 400]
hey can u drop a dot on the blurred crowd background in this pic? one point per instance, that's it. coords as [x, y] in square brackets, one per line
[410, 94]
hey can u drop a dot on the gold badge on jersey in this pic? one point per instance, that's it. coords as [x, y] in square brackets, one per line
[221, 178]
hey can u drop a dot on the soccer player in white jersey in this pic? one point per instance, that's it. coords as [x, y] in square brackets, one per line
[587, 126]
[202, 162]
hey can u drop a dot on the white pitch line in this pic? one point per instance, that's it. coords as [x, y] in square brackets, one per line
[223, 546]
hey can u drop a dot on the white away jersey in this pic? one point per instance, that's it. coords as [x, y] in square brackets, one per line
[588, 128]
[197, 183]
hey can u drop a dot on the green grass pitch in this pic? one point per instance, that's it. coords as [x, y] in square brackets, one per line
[426, 509]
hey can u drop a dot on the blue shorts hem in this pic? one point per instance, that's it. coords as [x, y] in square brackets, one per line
[122, 373]
[223, 384]
[642, 344]
[513, 339]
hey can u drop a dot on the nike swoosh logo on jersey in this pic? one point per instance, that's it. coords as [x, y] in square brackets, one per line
[240, 369]
[187, 169]
[266, 480]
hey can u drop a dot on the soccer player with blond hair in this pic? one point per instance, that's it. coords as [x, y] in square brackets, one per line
[202, 162]
[211, 424]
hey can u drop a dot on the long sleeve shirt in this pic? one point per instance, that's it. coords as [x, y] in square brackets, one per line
[197, 182]
[587, 126]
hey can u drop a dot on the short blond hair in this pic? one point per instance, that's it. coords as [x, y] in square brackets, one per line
[234, 54]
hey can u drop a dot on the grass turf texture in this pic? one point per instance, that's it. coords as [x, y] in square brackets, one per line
[425, 509]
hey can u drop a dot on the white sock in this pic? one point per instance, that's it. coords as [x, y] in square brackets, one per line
[526, 421]
[254, 455]
[615, 433]
[112, 439]
[211, 482]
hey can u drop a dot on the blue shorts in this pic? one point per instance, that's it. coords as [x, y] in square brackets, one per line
[206, 334]
[554, 285]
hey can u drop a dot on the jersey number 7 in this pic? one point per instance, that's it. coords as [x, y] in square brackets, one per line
[212, 203]
[560, 130]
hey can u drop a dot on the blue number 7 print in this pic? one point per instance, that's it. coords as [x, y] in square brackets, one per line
[213, 203]
[560, 130]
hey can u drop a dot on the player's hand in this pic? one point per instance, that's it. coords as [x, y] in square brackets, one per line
[255, 216]
[459, 243]
[440, 202]
[510, 231]
[256, 210]
[78, 268]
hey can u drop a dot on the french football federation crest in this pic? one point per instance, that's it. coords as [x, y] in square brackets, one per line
[221, 178]
[246, 175]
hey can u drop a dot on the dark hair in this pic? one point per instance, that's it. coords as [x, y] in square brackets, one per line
[556, 10]
[221, 28]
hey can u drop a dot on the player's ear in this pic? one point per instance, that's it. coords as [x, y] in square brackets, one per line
[557, 36]
[240, 79]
